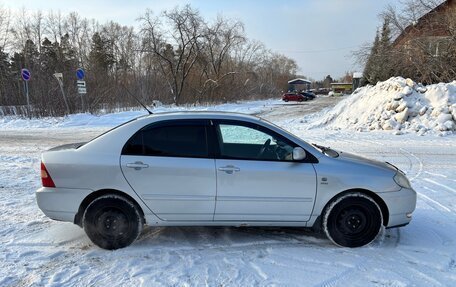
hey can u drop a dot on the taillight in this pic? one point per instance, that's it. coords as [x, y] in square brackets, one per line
[46, 179]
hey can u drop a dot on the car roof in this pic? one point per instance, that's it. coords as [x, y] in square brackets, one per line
[201, 115]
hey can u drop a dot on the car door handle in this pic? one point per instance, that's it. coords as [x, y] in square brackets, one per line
[137, 165]
[229, 169]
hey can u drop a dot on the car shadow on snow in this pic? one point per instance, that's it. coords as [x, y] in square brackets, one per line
[230, 237]
[200, 238]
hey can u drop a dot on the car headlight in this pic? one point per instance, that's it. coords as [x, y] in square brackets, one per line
[402, 180]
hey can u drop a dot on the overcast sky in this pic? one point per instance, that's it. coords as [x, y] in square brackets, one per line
[319, 34]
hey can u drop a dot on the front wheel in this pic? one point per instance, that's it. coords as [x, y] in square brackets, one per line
[352, 220]
[112, 222]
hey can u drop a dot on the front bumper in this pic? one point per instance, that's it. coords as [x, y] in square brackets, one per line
[400, 205]
[60, 203]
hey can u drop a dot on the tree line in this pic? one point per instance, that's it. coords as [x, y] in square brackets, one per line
[423, 59]
[175, 57]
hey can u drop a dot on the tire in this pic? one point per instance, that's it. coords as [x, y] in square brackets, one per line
[352, 220]
[112, 222]
[286, 101]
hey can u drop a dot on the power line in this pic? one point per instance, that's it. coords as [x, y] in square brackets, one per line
[318, 51]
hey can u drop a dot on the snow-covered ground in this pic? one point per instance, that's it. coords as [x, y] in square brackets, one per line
[36, 251]
[113, 119]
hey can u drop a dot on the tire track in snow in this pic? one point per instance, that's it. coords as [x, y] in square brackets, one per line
[332, 281]
[258, 270]
[420, 162]
[436, 174]
[439, 203]
[441, 185]
[434, 204]
[428, 199]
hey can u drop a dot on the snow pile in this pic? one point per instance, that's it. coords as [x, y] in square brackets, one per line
[399, 105]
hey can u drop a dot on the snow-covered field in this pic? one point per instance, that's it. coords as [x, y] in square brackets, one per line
[36, 251]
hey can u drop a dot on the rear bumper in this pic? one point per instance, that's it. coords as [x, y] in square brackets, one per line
[60, 203]
[401, 205]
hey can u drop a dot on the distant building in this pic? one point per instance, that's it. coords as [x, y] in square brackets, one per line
[432, 31]
[299, 85]
[342, 88]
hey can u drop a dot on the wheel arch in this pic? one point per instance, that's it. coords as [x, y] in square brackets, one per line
[94, 195]
[371, 194]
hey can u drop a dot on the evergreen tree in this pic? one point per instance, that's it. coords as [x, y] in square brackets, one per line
[385, 69]
[48, 57]
[371, 68]
[101, 58]
[30, 55]
[28, 58]
[379, 66]
[327, 82]
[5, 77]
[67, 55]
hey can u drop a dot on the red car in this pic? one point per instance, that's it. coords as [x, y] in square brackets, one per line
[294, 97]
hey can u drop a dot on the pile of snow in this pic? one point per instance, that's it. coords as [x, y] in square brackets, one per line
[399, 105]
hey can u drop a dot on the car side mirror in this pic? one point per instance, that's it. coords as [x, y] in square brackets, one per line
[299, 153]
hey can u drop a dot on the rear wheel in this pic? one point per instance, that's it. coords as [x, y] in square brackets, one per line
[112, 222]
[352, 220]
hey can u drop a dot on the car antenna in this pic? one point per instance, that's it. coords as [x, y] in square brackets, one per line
[133, 96]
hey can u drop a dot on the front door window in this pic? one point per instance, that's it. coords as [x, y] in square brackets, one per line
[244, 142]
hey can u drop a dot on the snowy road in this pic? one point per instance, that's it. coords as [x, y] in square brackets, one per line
[36, 251]
[281, 110]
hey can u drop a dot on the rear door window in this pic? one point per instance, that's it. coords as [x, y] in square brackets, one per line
[174, 140]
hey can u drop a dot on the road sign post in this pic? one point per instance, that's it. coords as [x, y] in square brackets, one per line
[59, 77]
[81, 85]
[25, 74]
[80, 74]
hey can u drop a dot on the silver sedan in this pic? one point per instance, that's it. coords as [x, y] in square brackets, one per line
[213, 169]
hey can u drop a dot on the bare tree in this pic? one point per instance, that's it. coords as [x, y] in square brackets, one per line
[55, 25]
[409, 14]
[220, 40]
[5, 27]
[177, 49]
[37, 29]
[21, 32]
[175, 57]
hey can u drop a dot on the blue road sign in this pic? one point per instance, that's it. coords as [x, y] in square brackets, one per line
[80, 73]
[25, 74]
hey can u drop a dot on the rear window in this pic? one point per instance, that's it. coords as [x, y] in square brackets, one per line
[110, 130]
